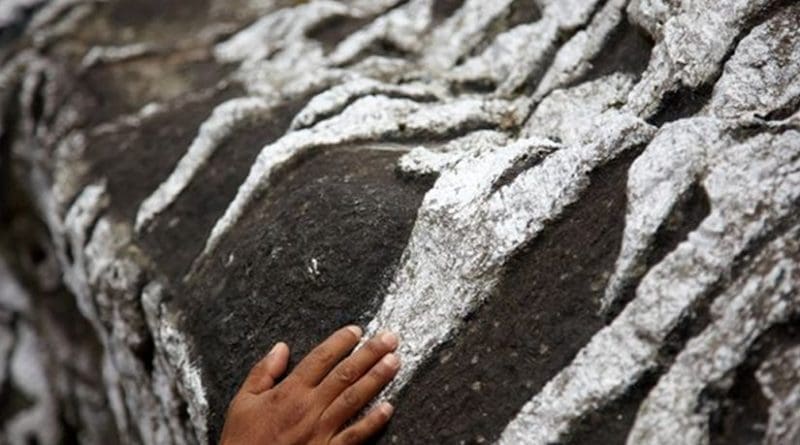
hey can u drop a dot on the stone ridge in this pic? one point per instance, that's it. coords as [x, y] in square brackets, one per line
[218, 175]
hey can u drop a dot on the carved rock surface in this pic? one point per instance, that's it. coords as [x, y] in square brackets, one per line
[582, 217]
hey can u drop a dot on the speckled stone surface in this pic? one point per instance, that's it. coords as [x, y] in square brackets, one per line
[581, 217]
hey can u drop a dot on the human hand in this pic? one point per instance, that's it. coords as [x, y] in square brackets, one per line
[315, 402]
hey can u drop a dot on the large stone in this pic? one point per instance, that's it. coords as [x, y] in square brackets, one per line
[581, 217]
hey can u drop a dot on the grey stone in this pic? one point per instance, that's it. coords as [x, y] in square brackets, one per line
[210, 178]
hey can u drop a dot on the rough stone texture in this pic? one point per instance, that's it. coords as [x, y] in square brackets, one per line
[580, 216]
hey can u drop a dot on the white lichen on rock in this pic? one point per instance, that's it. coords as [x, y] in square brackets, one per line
[566, 115]
[472, 221]
[778, 379]
[278, 30]
[751, 187]
[369, 118]
[573, 60]
[691, 50]
[176, 368]
[521, 52]
[673, 410]
[492, 104]
[753, 86]
[403, 27]
[427, 160]
[224, 121]
[337, 98]
[461, 32]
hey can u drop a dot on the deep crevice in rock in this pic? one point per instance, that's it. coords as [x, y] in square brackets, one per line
[521, 165]
[474, 86]
[627, 50]
[739, 414]
[38, 102]
[534, 78]
[520, 12]
[145, 351]
[686, 102]
[784, 112]
[333, 30]
[681, 104]
[8, 131]
[611, 424]
[443, 9]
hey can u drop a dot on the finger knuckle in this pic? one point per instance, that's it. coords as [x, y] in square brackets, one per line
[328, 422]
[352, 399]
[276, 396]
[257, 370]
[350, 436]
[345, 374]
[323, 355]
[259, 366]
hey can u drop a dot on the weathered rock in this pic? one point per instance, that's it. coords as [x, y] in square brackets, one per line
[580, 216]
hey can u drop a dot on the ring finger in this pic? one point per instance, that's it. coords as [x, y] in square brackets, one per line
[354, 398]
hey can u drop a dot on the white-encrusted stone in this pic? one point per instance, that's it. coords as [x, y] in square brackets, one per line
[469, 225]
[369, 118]
[403, 27]
[567, 115]
[461, 32]
[754, 86]
[277, 30]
[695, 41]
[336, 99]
[424, 160]
[751, 187]
[224, 121]
[778, 376]
[673, 410]
[573, 60]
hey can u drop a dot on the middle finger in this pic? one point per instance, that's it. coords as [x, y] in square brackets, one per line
[354, 367]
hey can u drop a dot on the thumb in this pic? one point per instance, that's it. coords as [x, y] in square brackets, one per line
[263, 375]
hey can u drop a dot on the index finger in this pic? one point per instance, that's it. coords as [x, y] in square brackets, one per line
[318, 363]
[354, 367]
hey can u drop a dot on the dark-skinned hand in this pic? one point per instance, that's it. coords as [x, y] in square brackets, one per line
[315, 403]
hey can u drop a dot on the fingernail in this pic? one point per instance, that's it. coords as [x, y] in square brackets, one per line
[355, 330]
[389, 339]
[274, 349]
[386, 408]
[391, 361]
